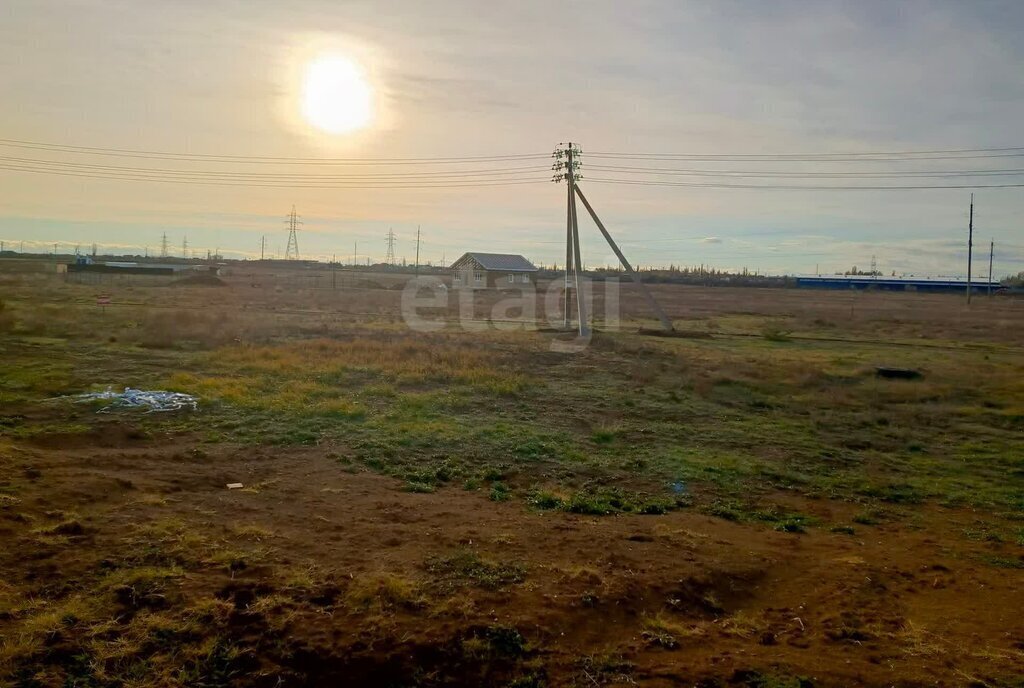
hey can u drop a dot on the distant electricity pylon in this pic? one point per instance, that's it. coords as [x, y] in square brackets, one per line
[389, 259]
[184, 247]
[163, 246]
[291, 252]
[566, 167]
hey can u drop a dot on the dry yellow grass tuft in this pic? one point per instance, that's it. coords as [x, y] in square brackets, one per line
[329, 377]
[381, 592]
[405, 360]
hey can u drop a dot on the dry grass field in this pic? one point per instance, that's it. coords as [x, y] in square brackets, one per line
[746, 505]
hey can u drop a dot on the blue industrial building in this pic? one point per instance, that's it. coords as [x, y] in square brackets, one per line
[922, 284]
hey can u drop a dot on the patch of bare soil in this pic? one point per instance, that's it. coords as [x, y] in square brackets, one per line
[450, 588]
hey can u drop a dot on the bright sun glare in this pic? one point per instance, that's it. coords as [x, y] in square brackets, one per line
[336, 96]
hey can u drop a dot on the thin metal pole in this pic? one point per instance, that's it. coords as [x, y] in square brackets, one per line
[970, 249]
[665, 322]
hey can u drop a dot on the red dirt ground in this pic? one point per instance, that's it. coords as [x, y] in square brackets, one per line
[895, 604]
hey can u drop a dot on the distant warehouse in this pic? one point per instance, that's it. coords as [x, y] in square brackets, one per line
[923, 284]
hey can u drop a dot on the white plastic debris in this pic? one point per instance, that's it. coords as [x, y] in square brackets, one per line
[155, 401]
[235, 486]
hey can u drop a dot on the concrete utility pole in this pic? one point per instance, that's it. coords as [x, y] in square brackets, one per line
[417, 249]
[572, 240]
[991, 253]
[581, 304]
[263, 246]
[572, 250]
[970, 249]
[568, 251]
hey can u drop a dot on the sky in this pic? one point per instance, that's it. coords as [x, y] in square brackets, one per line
[454, 78]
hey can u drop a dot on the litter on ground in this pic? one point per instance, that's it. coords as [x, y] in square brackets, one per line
[235, 486]
[153, 401]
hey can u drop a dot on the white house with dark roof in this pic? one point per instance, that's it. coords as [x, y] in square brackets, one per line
[492, 271]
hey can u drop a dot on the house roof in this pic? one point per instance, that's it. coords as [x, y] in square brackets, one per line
[507, 262]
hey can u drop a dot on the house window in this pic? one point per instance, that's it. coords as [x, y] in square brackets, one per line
[478, 277]
[524, 278]
[511, 278]
[458, 278]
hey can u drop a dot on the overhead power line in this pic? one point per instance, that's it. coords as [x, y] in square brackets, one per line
[801, 158]
[262, 159]
[836, 187]
[875, 156]
[420, 183]
[54, 164]
[515, 169]
[872, 156]
[662, 171]
[282, 184]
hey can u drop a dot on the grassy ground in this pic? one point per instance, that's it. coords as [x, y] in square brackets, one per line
[771, 425]
[680, 420]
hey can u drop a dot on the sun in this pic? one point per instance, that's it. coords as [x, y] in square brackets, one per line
[336, 97]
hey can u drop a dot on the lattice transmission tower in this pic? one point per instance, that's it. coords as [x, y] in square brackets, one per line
[291, 252]
[389, 259]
